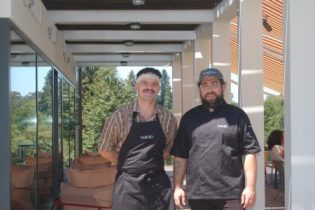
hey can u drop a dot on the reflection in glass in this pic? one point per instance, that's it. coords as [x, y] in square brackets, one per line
[32, 127]
[44, 157]
[68, 125]
[23, 123]
[71, 124]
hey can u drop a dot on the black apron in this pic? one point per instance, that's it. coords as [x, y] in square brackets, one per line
[141, 182]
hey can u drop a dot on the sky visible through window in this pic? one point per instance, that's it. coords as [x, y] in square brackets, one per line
[123, 71]
[23, 78]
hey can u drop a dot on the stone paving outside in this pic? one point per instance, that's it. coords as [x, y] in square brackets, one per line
[274, 197]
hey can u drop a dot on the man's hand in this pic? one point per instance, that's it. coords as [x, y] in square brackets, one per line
[250, 168]
[179, 198]
[248, 197]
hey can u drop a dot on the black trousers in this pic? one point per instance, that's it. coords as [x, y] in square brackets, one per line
[215, 204]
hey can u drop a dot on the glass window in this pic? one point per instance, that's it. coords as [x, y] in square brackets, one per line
[44, 104]
[32, 120]
[23, 123]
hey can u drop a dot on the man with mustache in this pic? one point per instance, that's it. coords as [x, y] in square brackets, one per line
[138, 137]
[211, 141]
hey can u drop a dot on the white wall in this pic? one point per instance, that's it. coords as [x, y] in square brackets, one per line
[221, 52]
[299, 105]
[5, 11]
[35, 29]
[177, 88]
[251, 81]
[188, 77]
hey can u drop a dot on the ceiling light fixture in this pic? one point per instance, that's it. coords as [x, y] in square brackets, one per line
[125, 55]
[25, 63]
[123, 63]
[13, 55]
[128, 43]
[134, 26]
[138, 2]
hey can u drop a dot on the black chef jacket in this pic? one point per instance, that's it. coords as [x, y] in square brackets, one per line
[214, 143]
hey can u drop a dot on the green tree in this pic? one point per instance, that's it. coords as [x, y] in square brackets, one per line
[45, 96]
[45, 113]
[131, 79]
[130, 83]
[273, 114]
[23, 118]
[103, 93]
[166, 97]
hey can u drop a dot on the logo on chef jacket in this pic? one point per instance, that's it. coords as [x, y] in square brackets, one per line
[222, 126]
[146, 137]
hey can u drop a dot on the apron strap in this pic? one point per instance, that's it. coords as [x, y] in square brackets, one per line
[134, 118]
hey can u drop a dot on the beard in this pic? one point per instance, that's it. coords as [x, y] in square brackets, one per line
[218, 101]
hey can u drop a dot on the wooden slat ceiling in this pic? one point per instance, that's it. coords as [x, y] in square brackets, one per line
[272, 40]
[273, 50]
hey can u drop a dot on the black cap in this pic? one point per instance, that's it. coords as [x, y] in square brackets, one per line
[210, 72]
[149, 70]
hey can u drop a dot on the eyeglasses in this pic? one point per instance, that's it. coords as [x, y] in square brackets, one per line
[210, 86]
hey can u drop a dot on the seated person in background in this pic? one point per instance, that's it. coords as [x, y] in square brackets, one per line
[275, 144]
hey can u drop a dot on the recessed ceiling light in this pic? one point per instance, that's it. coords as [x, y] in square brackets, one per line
[128, 43]
[138, 2]
[25, 63]
[125, 55]
[134, 26]
[123, 63]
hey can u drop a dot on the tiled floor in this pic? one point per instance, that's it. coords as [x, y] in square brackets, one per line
[274, 198]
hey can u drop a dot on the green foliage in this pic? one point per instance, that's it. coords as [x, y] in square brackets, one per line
[23, 123]
[68, 124]
[273, 115]
[130, 83]
[166, 97]
[23, 116]
[24, 119]
[45, 96]
[103, 93]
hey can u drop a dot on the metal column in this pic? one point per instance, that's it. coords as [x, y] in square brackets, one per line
[5, 137]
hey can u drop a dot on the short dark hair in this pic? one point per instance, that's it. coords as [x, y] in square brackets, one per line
[149, 70]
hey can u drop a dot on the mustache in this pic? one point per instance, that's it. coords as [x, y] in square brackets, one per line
[210, 93]
[149, 89]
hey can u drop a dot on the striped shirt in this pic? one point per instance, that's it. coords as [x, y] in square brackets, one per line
[117, 127]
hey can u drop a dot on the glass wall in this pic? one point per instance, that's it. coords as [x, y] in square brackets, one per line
[44, 138]
[32, 120]
[23, 124]
[66, 94]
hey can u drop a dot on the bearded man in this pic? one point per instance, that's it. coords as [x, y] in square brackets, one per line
[211, 141]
